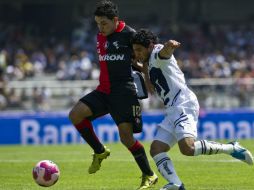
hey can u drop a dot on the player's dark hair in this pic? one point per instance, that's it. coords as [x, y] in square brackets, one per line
[144, 37]
[106, 8]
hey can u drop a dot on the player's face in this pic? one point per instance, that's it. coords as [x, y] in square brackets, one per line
[105, 25]
[141, 53]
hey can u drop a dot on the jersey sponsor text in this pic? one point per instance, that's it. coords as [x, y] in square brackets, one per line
[111, 57]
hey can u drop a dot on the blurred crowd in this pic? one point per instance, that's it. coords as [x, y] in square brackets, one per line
[24, 53]
[217, 51]
[207, 51]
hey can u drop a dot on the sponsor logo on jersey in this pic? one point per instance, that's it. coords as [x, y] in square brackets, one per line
[111, 57]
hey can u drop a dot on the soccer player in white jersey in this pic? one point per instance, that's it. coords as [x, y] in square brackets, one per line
[182, 109]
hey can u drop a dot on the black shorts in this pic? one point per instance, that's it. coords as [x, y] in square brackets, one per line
[122, 108]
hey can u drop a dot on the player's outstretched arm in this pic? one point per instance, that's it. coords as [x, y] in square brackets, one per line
[168, 49]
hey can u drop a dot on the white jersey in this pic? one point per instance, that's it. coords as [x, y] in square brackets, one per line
[169, 82]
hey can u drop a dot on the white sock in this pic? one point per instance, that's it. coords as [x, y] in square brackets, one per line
[166, 168]
[210, 147]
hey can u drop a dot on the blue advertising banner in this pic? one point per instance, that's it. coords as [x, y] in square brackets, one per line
[236, 124]
[55, 128]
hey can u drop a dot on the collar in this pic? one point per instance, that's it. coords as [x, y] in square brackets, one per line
[120, 26]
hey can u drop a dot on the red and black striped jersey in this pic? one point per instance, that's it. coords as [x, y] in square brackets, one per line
[115, 57]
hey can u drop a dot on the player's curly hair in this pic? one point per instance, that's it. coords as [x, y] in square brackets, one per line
[144, 37]
[106, 8]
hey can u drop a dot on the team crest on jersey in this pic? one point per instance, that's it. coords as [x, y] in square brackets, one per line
[116, 44]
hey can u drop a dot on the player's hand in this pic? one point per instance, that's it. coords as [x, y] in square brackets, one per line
[137, 65]
[168, 49]
[172, 44]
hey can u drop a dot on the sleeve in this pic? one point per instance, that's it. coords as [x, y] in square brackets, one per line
[140, 86]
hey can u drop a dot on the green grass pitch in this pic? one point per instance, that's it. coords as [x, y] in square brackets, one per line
[119, 171]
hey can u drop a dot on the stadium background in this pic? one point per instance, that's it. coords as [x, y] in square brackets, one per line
[48, 61]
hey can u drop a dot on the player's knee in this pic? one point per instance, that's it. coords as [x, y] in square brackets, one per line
[187, 150]
[158, 147]
[73, 115]
[154, 151]
[79, 112]
[127, 139]
[126, 135]
[127, 143]
[186, 146]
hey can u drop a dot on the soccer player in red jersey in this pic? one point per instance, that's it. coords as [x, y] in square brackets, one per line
[115, 93]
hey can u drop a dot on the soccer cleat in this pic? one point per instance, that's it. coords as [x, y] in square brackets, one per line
[241, 153]
[97, 159]
[148, 181]
[172, 186]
